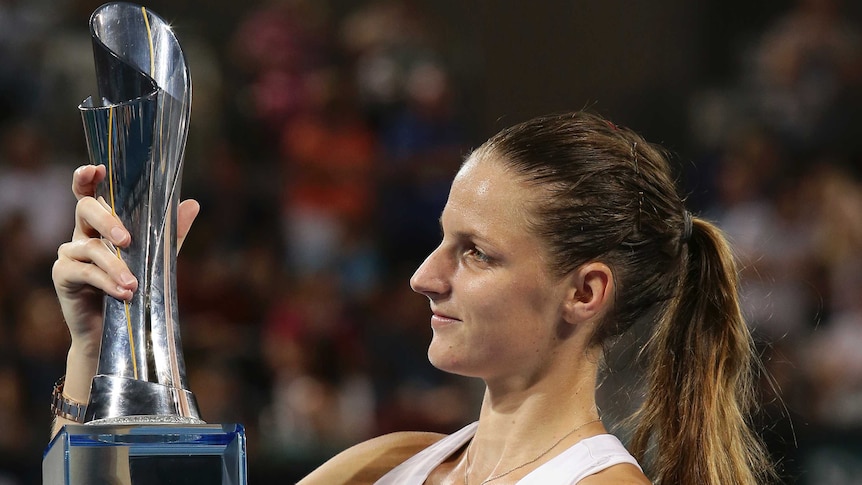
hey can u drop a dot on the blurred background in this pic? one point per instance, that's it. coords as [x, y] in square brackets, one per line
[324, 136]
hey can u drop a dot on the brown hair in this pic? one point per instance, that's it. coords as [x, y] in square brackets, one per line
[612, 197]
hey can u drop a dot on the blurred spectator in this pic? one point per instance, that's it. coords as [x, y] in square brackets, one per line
[23, 26]
[759, 209]
[321, 395]
[834, 364]
[424, 145]
[833, 361]
[328, 155]
[406, 91]
[13, 428]
[385, 39]
[276, 45]
[36, 186]
[838, 231]
[808, 74]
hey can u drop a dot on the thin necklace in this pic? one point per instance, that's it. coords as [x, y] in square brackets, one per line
[522, 465]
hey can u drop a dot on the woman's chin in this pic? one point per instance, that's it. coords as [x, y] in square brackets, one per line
[446, 358]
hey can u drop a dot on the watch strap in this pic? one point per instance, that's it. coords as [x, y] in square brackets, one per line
[63, 407]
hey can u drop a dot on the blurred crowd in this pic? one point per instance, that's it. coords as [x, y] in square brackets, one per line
[321, 151]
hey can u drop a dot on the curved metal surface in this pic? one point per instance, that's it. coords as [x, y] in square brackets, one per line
[137, 128]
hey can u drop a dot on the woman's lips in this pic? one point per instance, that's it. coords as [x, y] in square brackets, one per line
[440, 320]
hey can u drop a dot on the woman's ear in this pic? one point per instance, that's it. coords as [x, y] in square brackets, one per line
[590, 292]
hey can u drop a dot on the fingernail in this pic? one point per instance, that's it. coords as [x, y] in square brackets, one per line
[118, 235]
[125, 293]
[127, 279]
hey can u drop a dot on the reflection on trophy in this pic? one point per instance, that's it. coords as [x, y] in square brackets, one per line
[142, 422]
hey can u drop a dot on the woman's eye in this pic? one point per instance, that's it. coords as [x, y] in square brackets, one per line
[478, 255]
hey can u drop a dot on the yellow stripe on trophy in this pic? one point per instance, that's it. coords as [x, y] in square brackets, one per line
[114, 213]
[149, 38]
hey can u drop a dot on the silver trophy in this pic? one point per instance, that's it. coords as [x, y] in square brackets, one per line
[142, 425]
[137, 129]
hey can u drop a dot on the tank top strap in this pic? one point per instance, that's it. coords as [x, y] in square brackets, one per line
[415, 470]
[586, 457]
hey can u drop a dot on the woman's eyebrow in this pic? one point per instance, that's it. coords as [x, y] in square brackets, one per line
[469, 234]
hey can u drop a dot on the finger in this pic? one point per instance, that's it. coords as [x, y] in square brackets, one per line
[98, 253]
[92, 219]
[90, 262]
[187, 211]
[104, 203]
[85, 179]
[70, 275]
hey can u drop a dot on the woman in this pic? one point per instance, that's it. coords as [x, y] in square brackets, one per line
[559, 233]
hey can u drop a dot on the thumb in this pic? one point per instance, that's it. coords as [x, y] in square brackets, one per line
[186, 213]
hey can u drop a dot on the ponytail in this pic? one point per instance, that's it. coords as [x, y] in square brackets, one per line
[693, 425]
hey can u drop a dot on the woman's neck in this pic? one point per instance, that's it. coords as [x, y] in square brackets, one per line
[521, 418]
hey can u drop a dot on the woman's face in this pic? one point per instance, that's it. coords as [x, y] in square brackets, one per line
[496, 310]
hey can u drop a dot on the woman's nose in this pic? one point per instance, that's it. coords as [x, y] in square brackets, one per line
[430, 278]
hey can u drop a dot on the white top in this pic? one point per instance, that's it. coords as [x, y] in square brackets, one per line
[586, 457]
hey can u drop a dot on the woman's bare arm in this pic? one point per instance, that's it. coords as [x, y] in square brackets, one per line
[366, 462]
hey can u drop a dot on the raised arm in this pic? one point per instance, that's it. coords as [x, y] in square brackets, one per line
[86, 269]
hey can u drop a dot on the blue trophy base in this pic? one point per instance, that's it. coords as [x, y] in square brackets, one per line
[121, 454]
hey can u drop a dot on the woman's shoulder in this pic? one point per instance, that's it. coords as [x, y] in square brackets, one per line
[622, 474]
[366, 462]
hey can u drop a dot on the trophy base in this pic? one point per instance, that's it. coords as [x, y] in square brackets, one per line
[117, 399]
[146, 455]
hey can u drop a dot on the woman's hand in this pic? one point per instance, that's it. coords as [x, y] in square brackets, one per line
[86, 268]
